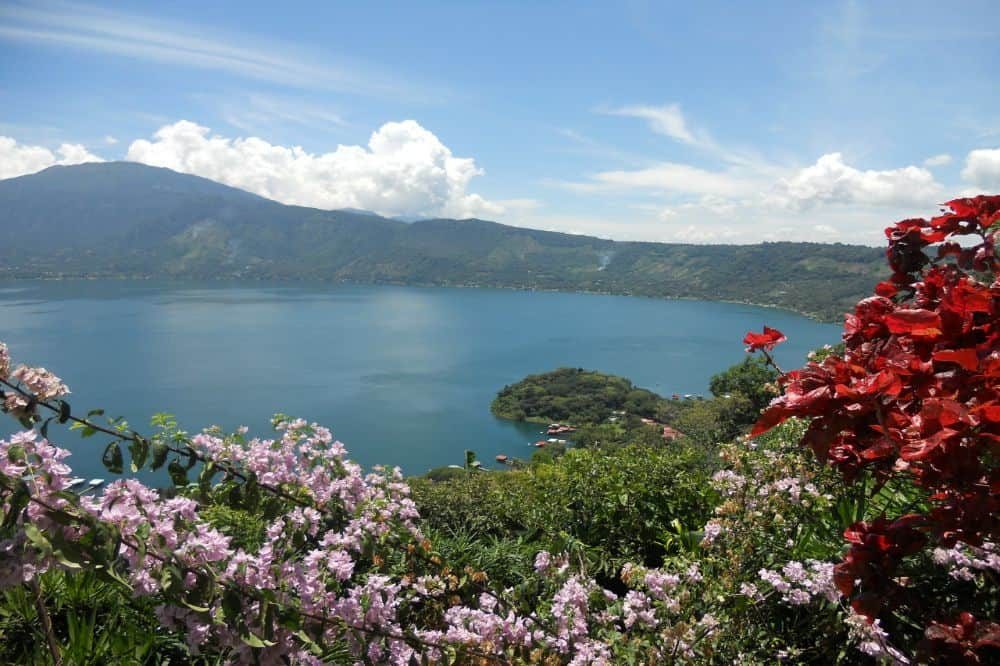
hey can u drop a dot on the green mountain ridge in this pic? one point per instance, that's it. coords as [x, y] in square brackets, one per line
[122, 219]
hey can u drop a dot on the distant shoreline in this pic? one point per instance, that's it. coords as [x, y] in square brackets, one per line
[423, 285]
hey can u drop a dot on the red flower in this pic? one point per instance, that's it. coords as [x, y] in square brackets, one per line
[766, 340]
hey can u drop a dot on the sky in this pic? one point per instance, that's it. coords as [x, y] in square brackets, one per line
[707, 122]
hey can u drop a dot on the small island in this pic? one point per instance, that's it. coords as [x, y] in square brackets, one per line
[607, 410]
[575, 396]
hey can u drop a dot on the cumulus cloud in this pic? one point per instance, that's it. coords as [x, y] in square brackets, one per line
[744, 203]
[938, 160]
[110, 140]
[982, 168]
[404, 170]
[20, 159]
[831, 181]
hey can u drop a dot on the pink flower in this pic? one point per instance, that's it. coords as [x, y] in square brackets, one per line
[543, 560]
[4, 361]
[40, 382]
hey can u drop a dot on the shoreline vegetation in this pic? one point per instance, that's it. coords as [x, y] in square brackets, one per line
[608, 411]
[815, 316]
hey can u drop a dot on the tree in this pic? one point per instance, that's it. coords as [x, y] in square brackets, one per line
[754, 379]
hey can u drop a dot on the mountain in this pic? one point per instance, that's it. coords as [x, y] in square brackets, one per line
[127, 219]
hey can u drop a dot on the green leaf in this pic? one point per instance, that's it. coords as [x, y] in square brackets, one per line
[138, 448]
[16, 503]
[37, 539]
[309, 642]
[205, 477]
[289, 618]
[61, 517]
[112, 458]
[255, 641]
[160, 452]
[232, 605]
[251, 493]
[178, 473]
[196, 609]
[64, 559]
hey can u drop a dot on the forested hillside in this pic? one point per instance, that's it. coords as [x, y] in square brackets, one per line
[123, 219]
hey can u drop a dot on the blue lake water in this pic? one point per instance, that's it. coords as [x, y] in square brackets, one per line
[402, 375]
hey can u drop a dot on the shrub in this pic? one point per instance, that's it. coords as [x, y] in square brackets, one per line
[913, 403]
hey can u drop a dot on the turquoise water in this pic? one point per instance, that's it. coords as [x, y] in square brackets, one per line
[402, 375]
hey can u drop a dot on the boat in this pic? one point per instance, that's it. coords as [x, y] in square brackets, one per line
[75, 481]
[501, 458]
[93, 483]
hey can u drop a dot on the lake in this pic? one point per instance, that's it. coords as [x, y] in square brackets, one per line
[402, 375]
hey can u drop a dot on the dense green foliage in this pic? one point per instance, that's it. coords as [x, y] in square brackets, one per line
[608, 410]
[608, 506]
[123, 219]
[752, 379]
[95, 622]
[574, 395]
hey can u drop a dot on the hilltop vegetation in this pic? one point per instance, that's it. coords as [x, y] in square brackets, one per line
[587, 397]
[574, 395]
[130, 220]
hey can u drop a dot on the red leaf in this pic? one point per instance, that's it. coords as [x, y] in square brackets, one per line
[989, 412]
[967, 358]
[915, 322]
[886, 289]
[920, 448]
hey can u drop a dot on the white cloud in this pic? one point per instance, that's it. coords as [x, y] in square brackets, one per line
[155, 39]
[703, 234]
[675, 178]
[670, 121]
[257, 112]
[831, 181]
[667, 120]
[404, 170]
[938, 160]
[110, 140]
[754, 202]
[19, 159]
[982, 168]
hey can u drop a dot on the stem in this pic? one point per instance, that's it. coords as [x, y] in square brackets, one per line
[43, 616]
[771, 362]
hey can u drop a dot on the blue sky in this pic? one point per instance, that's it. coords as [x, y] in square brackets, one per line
[696, 122]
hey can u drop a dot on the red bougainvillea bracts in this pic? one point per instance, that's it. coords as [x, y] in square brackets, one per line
[766, 340]
[915, 395]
